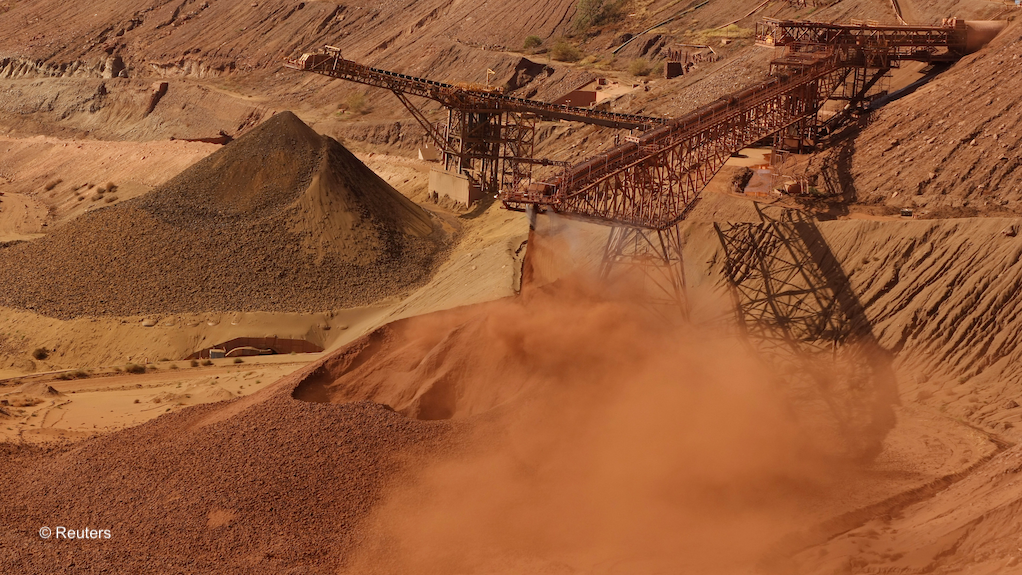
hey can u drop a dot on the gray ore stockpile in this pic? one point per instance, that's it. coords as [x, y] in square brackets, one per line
[282, 219]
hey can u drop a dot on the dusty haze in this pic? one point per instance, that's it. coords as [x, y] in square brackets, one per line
[626, 446]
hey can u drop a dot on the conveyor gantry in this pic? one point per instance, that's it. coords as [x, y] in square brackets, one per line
[489, 137]
[653, 181]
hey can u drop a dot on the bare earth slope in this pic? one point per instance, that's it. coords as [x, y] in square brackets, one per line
[576, 412]
[215, 37]
[280, 220]
[261, 484]
[950, 148]
[224, 58]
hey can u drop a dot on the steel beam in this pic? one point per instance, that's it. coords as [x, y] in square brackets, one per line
[654, 182]
[463, 97]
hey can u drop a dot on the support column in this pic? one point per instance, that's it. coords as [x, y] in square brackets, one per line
[474, 143]
[519, 141]
[651, 262]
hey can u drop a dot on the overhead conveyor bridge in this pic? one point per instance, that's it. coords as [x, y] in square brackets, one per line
[653, 182]
[653, 179]
[489, 139]
[463, 96]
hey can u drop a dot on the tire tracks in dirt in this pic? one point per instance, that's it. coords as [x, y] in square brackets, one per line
[889, 507]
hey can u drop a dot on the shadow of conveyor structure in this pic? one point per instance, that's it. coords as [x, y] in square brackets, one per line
[797, 311]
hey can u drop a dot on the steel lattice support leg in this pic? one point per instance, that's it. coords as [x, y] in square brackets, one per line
[519, 141]
[454, 151]
[651, 262]
[474, 140]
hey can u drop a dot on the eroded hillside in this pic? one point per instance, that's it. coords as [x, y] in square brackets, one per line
[949, 149]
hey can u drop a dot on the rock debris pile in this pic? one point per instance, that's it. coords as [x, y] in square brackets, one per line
[282, 219]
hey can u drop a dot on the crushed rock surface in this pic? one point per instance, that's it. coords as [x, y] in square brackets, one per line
[282, 219]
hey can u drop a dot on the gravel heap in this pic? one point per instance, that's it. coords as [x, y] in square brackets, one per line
[263, 484]
[282, 219]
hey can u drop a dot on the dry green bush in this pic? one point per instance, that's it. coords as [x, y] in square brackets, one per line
[589, 13]
[732, 31]
[563, 51]
[532, 42]
[639, 67]
[134, 368]
[357, 103]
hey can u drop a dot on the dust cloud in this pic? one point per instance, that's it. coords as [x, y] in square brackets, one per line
[632, 446]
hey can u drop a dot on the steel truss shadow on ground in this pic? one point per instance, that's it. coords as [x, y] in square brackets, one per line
[796, 309]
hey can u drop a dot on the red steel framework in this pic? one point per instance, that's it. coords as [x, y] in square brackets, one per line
[646, 185]
[461, 96]
[653, 181]
[489, 137]
[946, 42]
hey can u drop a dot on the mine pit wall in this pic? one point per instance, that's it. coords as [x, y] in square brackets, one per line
[111, 67]
[944, 296]
[13, 68]
[190, 68]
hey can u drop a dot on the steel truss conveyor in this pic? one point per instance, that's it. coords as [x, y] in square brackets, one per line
[478, 98]
[489, 137]
[652, 181]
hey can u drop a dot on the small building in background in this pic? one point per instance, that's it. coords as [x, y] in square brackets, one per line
[582, 98]
[596, 93]
[682, 58]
